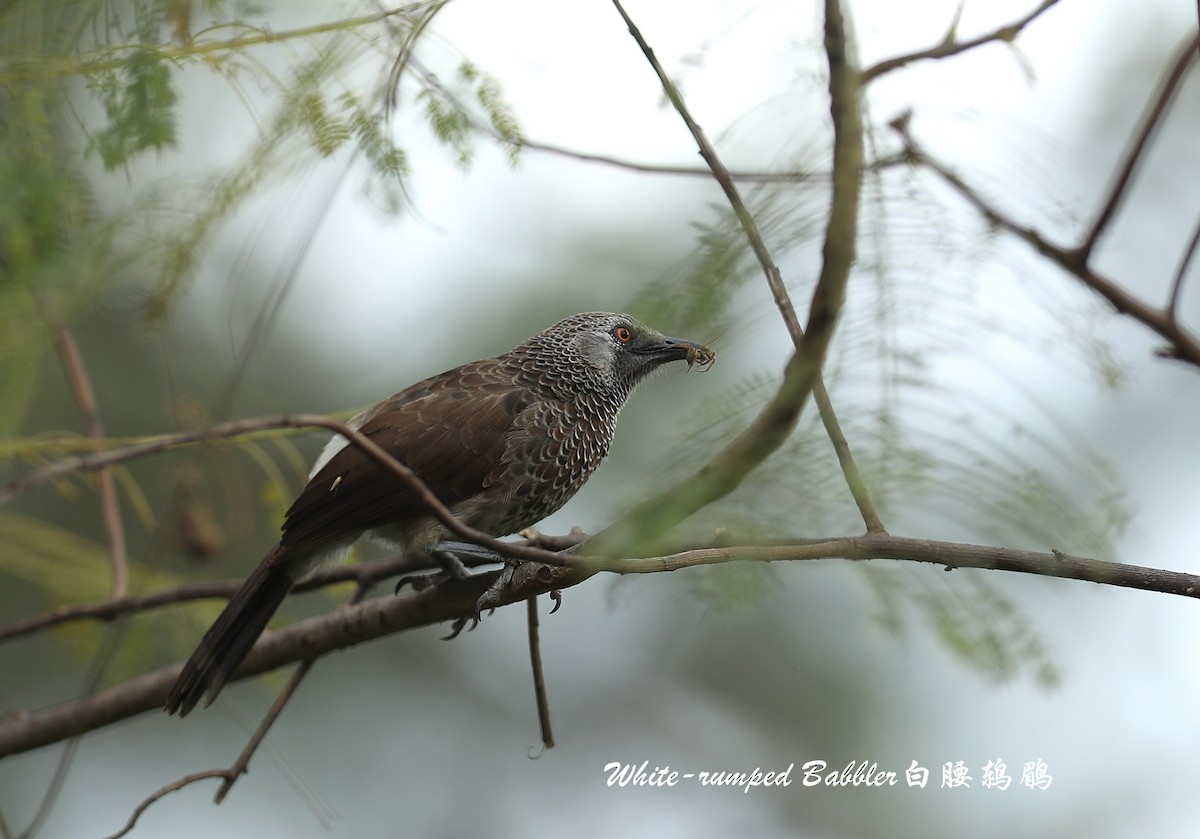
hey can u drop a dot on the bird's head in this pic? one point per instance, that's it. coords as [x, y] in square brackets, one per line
[615, 351]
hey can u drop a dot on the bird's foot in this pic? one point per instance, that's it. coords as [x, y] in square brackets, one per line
[494, 595]
[516, 576]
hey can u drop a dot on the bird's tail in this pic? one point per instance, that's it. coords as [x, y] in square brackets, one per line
[230, 638]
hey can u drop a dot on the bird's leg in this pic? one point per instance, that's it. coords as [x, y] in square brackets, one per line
[452, 566]
[447, 555]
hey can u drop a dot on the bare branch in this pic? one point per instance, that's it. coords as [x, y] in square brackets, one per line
[723, 178]
[164, 791]
[366, 575]
[1136, 152]
[106, 492]
[802, 374]
[240, 427]
[950, 47]
[843, 87]
[242, 764]
[382, 616]
[1181, 273]
[539, 677]
[1184, 344]
[311, 638]
[747, 176]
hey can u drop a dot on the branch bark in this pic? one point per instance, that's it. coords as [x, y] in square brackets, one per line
[346, 627]
[951, 47]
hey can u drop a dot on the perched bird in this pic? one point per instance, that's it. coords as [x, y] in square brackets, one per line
[502, 442]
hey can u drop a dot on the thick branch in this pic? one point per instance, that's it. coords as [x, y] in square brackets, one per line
[307, 639]
[345, 627]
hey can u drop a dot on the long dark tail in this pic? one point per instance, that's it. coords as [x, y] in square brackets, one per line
[230, 638]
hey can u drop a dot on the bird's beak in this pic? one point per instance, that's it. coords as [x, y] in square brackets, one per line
[664, 349]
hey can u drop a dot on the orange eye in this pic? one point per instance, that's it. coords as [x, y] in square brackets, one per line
[622, 334]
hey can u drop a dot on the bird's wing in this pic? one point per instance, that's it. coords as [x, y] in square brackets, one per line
[452, 430]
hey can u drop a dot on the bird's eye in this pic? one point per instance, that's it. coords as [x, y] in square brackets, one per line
[622, 334]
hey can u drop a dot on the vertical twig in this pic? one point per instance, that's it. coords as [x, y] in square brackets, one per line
[829, 420]
[106, 492]
[240, 766]
[539, 677]
[1184, 262]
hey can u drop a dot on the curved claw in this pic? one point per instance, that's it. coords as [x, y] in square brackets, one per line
[456, 628]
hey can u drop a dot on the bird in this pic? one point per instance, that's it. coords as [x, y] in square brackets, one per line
[502, 442]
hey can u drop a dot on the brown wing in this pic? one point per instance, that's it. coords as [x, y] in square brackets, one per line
[451, 430]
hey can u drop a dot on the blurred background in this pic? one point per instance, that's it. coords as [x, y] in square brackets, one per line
[241, 230]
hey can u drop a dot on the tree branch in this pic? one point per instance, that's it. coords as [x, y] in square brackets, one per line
[106, 492]
[950, 47]
[1181, 273]
[748, 176]
[174, 786]
[365, 575]
[240, 427]
[1184, 344]
[774, 424]
[1137, 150]
[376, 618]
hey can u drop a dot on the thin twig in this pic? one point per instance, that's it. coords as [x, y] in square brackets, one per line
[721, 174]
[803, 372]
[366, 574]
[239, 427]
[539, 677]
[164, 791]
[1184, 345]
[242, 764]
[383, 616]
[744, 175]
[950, 47]
[112, 641]
[106, 492]
[1181, 273]
[1137, 149]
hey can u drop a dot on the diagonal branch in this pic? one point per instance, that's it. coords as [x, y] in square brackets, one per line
[950, 47]
[239, 427]
[723, 178]
[803, 372]
[1137, 150]
[1184, 344]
